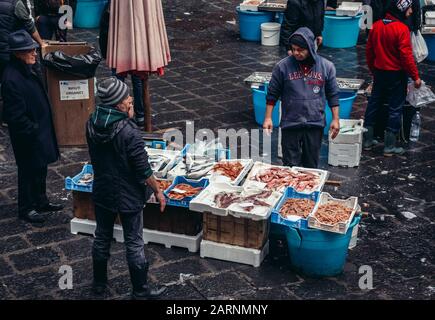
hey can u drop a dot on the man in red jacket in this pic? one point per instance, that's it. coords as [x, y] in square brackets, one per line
[390, 60]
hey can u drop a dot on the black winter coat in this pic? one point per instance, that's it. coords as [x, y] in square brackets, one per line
[302, 13]
[121, 167]
[27, 111]
[104, 30]
[43, 7]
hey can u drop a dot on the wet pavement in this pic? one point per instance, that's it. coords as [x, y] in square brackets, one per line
[204, 83]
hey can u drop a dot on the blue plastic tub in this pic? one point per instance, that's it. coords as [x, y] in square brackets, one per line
[88, 14]
[317, 253]
[340, 32]
[346, 102]
[430, 42]
[185, 202]
[72, 183]
[250, 23]
[259, 100]
[276, 218]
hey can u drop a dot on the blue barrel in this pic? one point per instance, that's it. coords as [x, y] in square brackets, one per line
[317, 253]
[250, 23]
[430, 42]
[88, 13]
[340, 31]
[346, 102]
[259, 100]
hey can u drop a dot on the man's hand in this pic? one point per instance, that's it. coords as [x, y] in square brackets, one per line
[319, 41]
[268, 125]
[417, 83]
[161, 199]
[334, 129]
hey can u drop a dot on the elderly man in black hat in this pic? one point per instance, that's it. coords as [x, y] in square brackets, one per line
[121, 174]
[27, 112]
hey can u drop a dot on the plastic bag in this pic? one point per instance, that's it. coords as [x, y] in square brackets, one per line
[419, 97]
[419, 47]
[82, 65]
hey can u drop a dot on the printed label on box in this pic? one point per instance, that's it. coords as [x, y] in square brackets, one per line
[74, 90]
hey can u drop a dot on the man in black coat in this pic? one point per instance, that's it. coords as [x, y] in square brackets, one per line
[27, 112]
[121, 174]
[303, 13]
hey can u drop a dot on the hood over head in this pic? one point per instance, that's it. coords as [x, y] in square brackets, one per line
[309, 38]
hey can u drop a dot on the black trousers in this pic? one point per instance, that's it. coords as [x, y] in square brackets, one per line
[48, 26]
[31, 189]
[388, 87]
[132, 226]
[301, 147]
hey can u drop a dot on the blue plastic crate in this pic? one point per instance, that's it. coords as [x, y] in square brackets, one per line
[185, 202]
[290, 193]
[72, 183]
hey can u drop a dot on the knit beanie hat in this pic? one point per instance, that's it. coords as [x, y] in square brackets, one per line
[299, 41]
[112, 91]
[398, 8]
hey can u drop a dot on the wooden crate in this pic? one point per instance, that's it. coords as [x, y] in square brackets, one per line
[174, 220]
[240, 232]
[84, 208]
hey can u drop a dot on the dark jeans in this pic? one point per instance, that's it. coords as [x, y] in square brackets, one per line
[137, 94]
[388, 87]
[301, 147]
[48, 26]
[31, 189]
[132, 225]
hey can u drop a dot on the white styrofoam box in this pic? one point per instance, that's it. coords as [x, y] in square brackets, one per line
[85, 226]
[231, 253]
[355, 136]
[249, 5]
[169, 240]
[349, 9]
[348, 155]
[204, 202]
[260, 166]
[174, 157]
[340, 227]
[259, 212]
[247, 164]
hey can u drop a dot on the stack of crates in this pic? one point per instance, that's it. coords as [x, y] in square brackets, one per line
[345, 150]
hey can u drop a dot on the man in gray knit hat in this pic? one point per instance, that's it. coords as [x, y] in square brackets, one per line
[121, 174]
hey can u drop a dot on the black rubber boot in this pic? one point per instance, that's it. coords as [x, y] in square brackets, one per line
[368, 139]
[99, 284]
[141, 290]
[390, 148]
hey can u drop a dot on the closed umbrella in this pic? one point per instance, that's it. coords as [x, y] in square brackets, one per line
[138, 42]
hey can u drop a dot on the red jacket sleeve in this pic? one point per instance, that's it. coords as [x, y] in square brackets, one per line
[406, 55]
[370, 53]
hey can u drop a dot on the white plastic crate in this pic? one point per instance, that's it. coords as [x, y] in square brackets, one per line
[216, 177]
[430, 18]
[349, 9]
[174, 157]
[169, 240]
[347, 136]
[340, 227]
[88, 227]
[250, 5]
[231, 253]
[354, 239]
[346, 155]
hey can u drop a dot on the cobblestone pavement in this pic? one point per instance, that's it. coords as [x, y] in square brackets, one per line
[205, 83]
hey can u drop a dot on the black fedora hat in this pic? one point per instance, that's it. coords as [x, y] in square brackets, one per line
[21, 41]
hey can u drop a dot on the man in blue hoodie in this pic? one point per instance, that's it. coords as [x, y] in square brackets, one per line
[121, 174]
[303, 82]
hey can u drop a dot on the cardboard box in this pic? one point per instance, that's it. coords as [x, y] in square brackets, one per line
[72, 98]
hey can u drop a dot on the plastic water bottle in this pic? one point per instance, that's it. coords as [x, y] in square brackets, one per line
[415, 127]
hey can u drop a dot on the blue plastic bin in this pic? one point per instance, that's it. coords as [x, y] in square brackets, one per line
[430, 42]
[185, 202]
[250, 23]
[317, 253]
[340, 31]
[276, 218]
[88, 14]
[346, 102]
[72, 183]
[259, 101]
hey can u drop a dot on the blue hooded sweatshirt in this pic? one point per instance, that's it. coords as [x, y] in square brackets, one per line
[304, 98]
